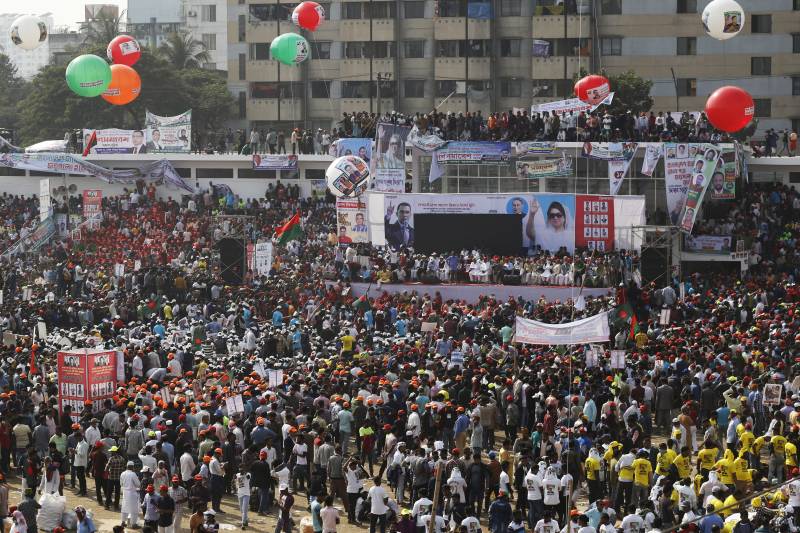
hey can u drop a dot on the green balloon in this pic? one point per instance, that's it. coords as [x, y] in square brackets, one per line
[88, 75]
[289, 49]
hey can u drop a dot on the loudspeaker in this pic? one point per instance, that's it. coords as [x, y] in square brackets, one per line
[512, 279]
[233, 259]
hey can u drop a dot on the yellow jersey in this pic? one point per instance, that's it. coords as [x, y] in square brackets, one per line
[684, 466]
[724, 468]
[592, 466]
[664, 461]
[778, 444]
[642, 472]
[707, 457]
[791, 454]
[746, 440]
[741, 469]
[758, 443]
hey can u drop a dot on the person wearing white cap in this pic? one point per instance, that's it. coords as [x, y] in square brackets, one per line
[130, 484]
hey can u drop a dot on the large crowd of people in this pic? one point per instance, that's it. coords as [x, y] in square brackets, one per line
[403, 411]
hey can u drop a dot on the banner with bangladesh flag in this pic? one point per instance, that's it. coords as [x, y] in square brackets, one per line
[623, 316]
[290, 231]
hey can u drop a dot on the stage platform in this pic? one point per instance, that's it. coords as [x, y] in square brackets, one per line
[471, 292]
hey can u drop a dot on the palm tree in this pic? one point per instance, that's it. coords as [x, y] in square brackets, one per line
[103, 29]
[184, 51]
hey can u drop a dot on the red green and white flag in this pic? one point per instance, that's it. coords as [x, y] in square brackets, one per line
[290, 231]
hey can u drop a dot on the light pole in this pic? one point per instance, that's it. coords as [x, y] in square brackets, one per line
[382, 76]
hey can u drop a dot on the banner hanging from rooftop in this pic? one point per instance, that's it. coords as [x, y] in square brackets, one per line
[169, 134]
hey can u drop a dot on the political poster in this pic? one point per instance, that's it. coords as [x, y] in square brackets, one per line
[424, 142]
[720, 244]
[618, 169]
[652, 154]
[274, 162]
[262, 256]
[44, 199]
[169, 134]
[545, 168]
[388, 166]
[62, 224]
[474, 153]
[351, 218]
[113, 141]
[678, 160]
[594, 222]
[72, 381]
[93, 207]
[609, 151]
[101, 376]
[706, 163]
[357, 146]
[584, 331]
[535, 148]
[723, 182]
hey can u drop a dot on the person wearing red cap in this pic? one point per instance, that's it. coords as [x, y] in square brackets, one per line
[216, 469]
[166, 510]
[150, 508]
[180, 496]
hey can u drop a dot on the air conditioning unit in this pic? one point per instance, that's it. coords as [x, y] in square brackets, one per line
[192, 13]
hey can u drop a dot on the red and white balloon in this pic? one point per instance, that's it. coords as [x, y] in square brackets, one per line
[124, 50]
[308, 15]
[592, 89]
[730, 108]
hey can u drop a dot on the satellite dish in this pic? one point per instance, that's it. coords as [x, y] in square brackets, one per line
[73, 187]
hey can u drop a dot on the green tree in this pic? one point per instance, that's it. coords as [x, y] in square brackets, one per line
[631, 91]
[181, 50]
[49, 108]
[102, 29]
[12, 89]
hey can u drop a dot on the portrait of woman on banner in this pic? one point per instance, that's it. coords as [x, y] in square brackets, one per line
[551, 222]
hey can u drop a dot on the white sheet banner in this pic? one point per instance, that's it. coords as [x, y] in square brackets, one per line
[565, 106]
[587, 330]
[652, 154]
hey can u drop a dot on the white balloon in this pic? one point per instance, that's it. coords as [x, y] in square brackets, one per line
[723, 19]
[28, 32]
[347, 176]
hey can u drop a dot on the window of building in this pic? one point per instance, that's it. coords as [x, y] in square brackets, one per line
[452, 8]
[611, 7]
[687, 6]
[320, 89]
[320, 49]
[414, 49]
[796, 6]
[263, 12]
[209, 13]
[242, 28]
[380, 10]
[259, 51]
[414, 9]
[354, 50]
[510, 88]
[242, 67]
[796, 43]
[447, 48]
[326, 8]
[387, 89]
[795, 85]
[763, 107]
[480, 48]
[611, 46]
[210, 66]
[382, 49]
[355, 89]
[687, 46]
[761, 24]
[351, 10]
[445, 88]
[510, 47]
[264, 89]
[210, 41]
[761, 66]
[510, 8]
[315, 173]
[687, 86]
[414, 88]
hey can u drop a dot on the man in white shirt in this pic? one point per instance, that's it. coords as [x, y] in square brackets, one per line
[546, 524]
[378, 508]
[534, 487]
[300, 451]
[187, 465]
[632, 523]
[129, 485]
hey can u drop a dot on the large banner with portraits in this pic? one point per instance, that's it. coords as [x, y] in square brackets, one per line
[707, 163]
[169, 134]
[594, 219]
[86, 375]
[678, 161]
[358, 146]
[547, 220]
[351, 220]
[723, 183]
[388, 166]
[114, 141]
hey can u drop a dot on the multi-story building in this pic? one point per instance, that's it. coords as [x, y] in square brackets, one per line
[463, 55]
[151, 21]
[28, 62]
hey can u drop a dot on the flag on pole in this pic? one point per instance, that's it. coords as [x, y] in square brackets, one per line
[290, 231]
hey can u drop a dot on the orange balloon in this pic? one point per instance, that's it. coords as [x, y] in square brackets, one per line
[124, 87]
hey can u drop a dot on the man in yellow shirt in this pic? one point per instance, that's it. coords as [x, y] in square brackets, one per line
[706, 458]
[746, 438]
[777, 458]
[592, 465]
[642, 477]
[743, 477]
[347, 341]
[724, 468]
[683, 463]
[664, 459]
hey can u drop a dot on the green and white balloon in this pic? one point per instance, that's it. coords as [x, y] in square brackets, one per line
[289, 49]
[88, 75]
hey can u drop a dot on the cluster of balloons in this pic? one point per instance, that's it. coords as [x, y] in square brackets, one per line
[347, 176]
[728, 108]
[292, 48]
[28, 32]
[89, 75]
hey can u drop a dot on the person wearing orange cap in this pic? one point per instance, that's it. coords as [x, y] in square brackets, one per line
[166, 510]
[216, 470]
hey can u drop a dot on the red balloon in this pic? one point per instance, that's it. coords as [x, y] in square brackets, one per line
[592, 89]
[124, 87]
[730, 108]
[308, 15]
[123, 50]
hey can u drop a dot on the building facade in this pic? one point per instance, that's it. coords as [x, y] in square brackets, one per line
[28, 62]
[152, 21]
[463, 55]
